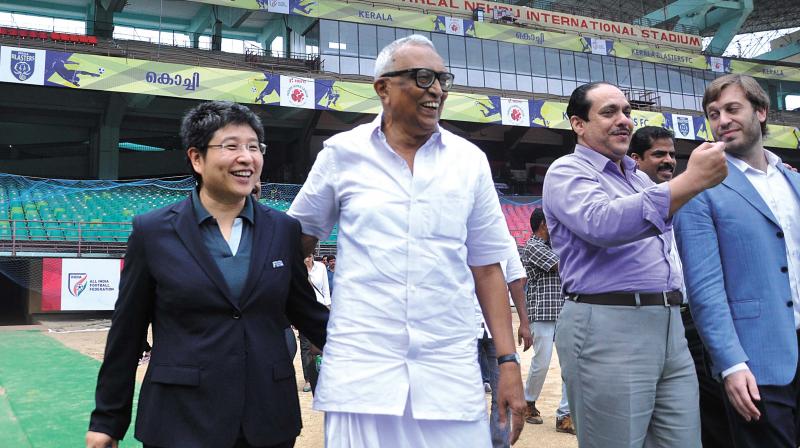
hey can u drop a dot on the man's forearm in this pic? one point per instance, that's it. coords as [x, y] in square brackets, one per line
[490, 287]
[517, 288]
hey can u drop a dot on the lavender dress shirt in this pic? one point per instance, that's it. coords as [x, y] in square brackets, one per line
[610, 228]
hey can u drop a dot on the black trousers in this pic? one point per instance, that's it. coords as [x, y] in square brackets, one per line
[715, 431]
[310, 373]
[779, 425]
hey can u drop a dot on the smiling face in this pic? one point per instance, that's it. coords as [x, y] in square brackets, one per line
[414, 110]
[609, 127]
[229, 176]
[659, 161]
[734, 121]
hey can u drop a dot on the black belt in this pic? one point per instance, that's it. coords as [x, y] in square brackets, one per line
[667, 298]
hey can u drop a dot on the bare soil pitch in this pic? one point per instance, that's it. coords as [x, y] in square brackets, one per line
[89, 338]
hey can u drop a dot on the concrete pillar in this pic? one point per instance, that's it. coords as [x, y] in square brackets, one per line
[216, 38]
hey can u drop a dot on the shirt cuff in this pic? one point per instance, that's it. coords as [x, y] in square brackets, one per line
[735, 368]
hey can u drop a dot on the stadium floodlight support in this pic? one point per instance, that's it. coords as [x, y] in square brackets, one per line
[100, 16]
[201, 21]
[729, 16]
[780, 53]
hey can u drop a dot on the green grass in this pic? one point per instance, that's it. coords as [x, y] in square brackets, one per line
[47, 392]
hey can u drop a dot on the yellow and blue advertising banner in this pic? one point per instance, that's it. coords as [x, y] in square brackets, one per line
[92, 72]
[432, 16]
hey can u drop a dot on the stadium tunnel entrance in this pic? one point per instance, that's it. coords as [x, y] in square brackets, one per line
[13, 302]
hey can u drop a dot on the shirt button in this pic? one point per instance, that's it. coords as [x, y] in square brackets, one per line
[779, 234]
[789, 304]
[784, 269]
[237, 315]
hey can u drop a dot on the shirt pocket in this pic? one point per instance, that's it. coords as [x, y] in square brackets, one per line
[451, 210]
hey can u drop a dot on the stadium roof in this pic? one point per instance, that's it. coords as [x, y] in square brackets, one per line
[169, 15]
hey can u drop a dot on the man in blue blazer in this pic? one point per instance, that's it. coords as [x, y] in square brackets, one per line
[740, 244]
[219, 277]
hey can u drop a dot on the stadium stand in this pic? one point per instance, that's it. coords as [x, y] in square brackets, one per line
[24, 33]
[518, 218]
[55, 210]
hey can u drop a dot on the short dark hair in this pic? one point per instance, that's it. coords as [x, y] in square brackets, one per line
[578, 104]
[643, 138]
[201, 122]
[537, 218]
[752, 90]
[331, 257]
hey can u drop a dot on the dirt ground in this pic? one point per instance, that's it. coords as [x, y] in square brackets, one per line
[89, 337]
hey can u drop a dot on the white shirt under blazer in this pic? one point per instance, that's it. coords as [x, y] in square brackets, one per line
[403, 321]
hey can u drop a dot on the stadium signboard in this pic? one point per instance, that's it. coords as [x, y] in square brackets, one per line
[94, 72]
[389, 15]
[385, 11]
[557, 20]
[80, 284]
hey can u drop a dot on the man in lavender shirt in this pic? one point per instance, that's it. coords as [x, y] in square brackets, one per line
[630, 378]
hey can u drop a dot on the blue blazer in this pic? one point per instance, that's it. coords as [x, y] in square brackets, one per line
[736, 272]
[218, 365]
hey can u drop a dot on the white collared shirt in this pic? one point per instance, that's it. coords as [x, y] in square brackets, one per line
[403, 319]
[512, 270]
[236, 236]
[318, 276]
[676, 260]
[777, 193]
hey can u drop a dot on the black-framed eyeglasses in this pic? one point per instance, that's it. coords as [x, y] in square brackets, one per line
[233, 147]
[425, 77]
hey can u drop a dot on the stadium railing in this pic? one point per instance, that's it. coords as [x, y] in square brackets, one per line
[37, 236]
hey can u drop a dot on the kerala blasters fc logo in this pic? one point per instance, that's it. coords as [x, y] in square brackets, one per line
[22, 64]
[683, 125]
[76, 283]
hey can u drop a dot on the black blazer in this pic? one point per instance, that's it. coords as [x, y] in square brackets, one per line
[216, 367]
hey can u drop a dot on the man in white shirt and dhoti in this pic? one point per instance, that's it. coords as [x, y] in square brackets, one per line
[420, 231]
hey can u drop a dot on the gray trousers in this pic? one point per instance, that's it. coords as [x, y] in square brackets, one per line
[630, 378]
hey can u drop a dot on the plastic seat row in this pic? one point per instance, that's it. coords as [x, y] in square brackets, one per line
[47, 35]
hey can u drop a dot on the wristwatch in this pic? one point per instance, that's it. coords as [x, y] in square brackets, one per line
[514, 357]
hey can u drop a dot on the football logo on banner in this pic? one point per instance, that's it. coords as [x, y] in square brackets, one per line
[76, 283]
[22, 65]
[515, 112]
[717, 64]
[279, 6]
[454, 26]
[297, 92]
[599, 47]
[683, 125]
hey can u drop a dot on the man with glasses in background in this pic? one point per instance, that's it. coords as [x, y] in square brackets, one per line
[220, 277]
[420, 231]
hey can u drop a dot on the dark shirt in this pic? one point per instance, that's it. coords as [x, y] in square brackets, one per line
[234, 268]
[544, 298]
[330, 280]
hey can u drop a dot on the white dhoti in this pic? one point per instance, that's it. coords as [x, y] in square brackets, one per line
[349, 430]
